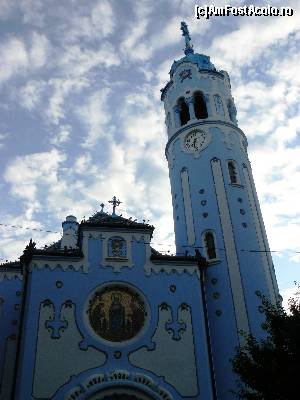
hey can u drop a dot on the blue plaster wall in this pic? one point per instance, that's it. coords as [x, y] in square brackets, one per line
[78, 286]
[10, 312]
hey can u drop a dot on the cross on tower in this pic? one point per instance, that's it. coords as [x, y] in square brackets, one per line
[185, 32]
[115, 204]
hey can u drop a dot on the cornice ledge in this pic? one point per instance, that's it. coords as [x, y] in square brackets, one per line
[64, 267]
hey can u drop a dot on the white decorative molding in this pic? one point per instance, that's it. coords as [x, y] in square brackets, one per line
[188, 211]
[170, 269]
[9, 275]
[113, 262]
[261, 236]
[108, 381]
[230, 249]
[63, 265]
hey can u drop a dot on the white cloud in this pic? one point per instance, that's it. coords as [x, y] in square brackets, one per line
[238, 47]
[287, 294]
[32, 12]
[26, 173]
[62, 136]
[39, 51]
[89, 23]
[30, 94]
[61, 88]
[13, 56]
[78, 61]
[95, 115]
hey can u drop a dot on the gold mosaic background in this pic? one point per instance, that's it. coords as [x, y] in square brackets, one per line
[116, 313]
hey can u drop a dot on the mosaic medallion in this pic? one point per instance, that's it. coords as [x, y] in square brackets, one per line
[116, 313]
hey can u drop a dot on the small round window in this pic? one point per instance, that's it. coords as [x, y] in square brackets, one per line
[116, 313]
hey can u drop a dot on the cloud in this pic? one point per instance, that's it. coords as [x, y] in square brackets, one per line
[77, 61]
[62, 136]
[59, 89]
[275, 172]
[30, 95]
[287, 294]
[95, 116]
[25, 174]
[32, 12]
[236, 48]
[89, 23]
[14, 58]
[39, 51]
[6, 8]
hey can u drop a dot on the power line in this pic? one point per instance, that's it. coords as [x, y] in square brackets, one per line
[153, 243]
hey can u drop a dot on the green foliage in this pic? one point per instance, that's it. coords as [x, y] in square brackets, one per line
[268, 369]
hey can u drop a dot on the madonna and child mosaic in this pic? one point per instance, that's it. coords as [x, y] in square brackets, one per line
[116, 313]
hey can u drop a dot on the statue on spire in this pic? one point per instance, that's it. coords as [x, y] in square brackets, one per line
[185, 32]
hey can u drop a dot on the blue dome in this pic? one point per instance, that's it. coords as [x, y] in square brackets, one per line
[202, 61]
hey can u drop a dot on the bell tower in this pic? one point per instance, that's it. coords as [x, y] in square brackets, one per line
[215, 205]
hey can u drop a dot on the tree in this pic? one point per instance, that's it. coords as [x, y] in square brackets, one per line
[268, 369]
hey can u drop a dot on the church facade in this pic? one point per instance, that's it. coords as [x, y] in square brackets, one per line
[102, 315]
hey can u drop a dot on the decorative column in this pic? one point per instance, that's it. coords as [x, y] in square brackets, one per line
[208, 105]
[177, 116]
[190, 102]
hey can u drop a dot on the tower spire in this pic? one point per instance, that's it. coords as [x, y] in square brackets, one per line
[185, 32]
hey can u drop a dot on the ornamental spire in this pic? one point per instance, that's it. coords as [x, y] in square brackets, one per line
[185, 32]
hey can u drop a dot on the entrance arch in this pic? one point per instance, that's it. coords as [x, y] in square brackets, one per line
[120, 393]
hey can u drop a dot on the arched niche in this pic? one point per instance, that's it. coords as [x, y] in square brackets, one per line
[200, 105]
[184, 113]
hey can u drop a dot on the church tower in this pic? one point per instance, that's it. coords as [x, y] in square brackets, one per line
[215, 205]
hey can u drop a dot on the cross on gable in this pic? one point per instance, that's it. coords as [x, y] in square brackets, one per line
[115, 204]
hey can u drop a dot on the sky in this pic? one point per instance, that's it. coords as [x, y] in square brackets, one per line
[81, 118]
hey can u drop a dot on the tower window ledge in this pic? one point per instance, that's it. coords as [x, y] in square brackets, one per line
[237, 185]
[117, 258]
[213, 261]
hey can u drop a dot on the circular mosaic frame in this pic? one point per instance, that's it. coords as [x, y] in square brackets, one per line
[117, 313]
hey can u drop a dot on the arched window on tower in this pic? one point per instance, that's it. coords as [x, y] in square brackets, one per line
[183, 111]
[210, 247]
[233, 173]
[200, 106]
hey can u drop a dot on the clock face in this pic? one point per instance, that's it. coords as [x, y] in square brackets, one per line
[195, 140]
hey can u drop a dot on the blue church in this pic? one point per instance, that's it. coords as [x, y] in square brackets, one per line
[102, 315]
